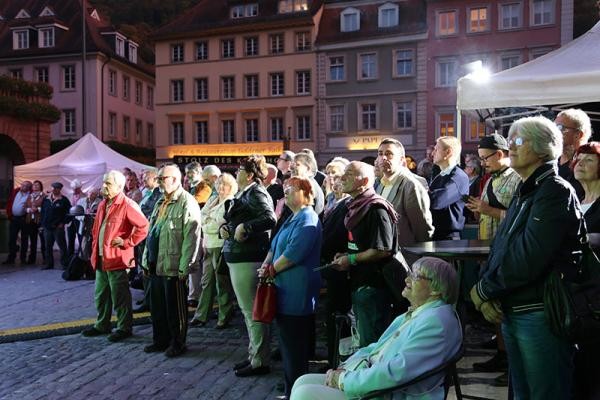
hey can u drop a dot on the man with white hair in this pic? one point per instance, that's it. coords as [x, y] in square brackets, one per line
[447, 190]
[371, 224]
[118, 227]
[576, 129]
[171, 250]
[270, 183]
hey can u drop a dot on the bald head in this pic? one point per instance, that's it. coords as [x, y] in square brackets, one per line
[358, 177]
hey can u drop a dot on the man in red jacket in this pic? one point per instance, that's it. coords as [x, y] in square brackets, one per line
[118, 227]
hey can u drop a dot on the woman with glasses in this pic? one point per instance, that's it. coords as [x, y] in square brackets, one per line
[539, 235]
[425, 337]
[295, 253]
[249, 217]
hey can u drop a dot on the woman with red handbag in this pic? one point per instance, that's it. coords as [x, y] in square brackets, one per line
[295, 253]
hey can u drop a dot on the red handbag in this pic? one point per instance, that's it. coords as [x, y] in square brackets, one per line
[265, 301]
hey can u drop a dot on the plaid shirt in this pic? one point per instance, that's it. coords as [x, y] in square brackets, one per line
[504, 185]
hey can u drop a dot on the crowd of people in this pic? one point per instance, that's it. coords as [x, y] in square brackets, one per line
[204, 234]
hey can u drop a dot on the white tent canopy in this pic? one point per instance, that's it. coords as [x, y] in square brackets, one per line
[88, 160]
[569, 74]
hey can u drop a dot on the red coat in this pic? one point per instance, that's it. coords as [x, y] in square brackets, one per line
[124, 219]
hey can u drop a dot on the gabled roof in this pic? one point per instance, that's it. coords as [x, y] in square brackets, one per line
[412, 20]
[215, 16]
[66, 13]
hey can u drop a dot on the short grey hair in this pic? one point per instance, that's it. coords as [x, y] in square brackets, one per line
[307, 160]
[338, 161]
[117, 177]
[545, 138]
[211, 170]
[443, 277]
[580, 119]
[193, 166]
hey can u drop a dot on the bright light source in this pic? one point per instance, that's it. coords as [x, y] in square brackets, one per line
[478, 72]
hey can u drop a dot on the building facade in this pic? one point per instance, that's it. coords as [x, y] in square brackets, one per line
[501, 34]
[102, 87]
[236, 77]
[371, 63]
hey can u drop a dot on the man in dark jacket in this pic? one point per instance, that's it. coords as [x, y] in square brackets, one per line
[55, 210]
[538, 235]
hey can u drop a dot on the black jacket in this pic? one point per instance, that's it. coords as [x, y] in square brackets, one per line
[538, 234]
[254, 209]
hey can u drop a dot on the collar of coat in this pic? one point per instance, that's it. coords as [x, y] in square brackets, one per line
[539, 175]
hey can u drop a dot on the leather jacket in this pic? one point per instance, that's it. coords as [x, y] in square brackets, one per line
[253, 208]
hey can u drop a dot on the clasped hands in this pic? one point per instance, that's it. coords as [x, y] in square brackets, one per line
[332, 378]
[266, 271]
[491, 310]
[341, 262]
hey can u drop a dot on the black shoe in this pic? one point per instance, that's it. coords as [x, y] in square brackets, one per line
[192, 303]
[119, 335]
[175, 351]
[502, 380]
[154, 348]
[48, 267]
[141, 309]
[90, 332]
[197, 322]
[249, 371]
[241, 364]
[491, 344]
[498, 363]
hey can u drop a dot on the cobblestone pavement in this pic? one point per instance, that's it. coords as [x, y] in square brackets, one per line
[74, 367]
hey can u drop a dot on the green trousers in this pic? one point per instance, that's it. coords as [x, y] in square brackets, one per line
[112, 290]
[212, 282]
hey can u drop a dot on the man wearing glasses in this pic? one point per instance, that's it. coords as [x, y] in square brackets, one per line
[576, 128]
[171, 250]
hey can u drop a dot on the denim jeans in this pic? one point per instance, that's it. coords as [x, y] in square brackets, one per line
[540, 363]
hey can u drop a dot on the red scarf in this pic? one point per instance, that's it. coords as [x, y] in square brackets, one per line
[360, 205]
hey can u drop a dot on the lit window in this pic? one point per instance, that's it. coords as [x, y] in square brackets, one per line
[445, 125]
[336, 118]
[336, 68]
[478, 19]
[177, 133]
[288, 6]
[476, 130]
[446, 23]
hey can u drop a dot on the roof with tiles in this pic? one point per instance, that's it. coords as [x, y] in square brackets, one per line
[213, 17]
[68, 35]
[412, 20]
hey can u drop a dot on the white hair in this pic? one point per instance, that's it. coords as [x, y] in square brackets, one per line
[211, 170]
[579, 118]
[546, 140]
[117, 177]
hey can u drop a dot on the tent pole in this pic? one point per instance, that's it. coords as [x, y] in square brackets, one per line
[458, 124]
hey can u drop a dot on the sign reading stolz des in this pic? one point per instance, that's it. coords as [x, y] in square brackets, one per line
[225, 163]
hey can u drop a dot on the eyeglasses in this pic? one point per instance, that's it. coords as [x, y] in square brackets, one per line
[416, 276]
[289, 189]
[283, 159]
[518, 141]
[485, 158]
[162, 178]
[563, 128]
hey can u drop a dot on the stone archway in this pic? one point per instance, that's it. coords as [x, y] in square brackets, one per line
[11, 154]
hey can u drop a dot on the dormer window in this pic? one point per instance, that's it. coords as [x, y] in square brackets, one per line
[120, 46]
[244, 11]
[46, 37]
[21, 39]
[350, 20]
[288, 6]
[133, 53]
[388, 15]
[46, 12]
[23, 14]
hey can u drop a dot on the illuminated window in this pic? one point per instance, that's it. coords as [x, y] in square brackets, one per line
[446, 23]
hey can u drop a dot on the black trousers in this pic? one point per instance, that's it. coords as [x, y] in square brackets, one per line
[17, 224]
[294, 344]
[168, 310]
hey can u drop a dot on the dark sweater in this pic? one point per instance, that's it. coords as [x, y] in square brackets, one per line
[445, 192]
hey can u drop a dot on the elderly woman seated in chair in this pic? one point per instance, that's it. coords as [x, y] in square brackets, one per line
[422, 339]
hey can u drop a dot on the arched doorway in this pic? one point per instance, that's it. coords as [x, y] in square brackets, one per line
[11, 154]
